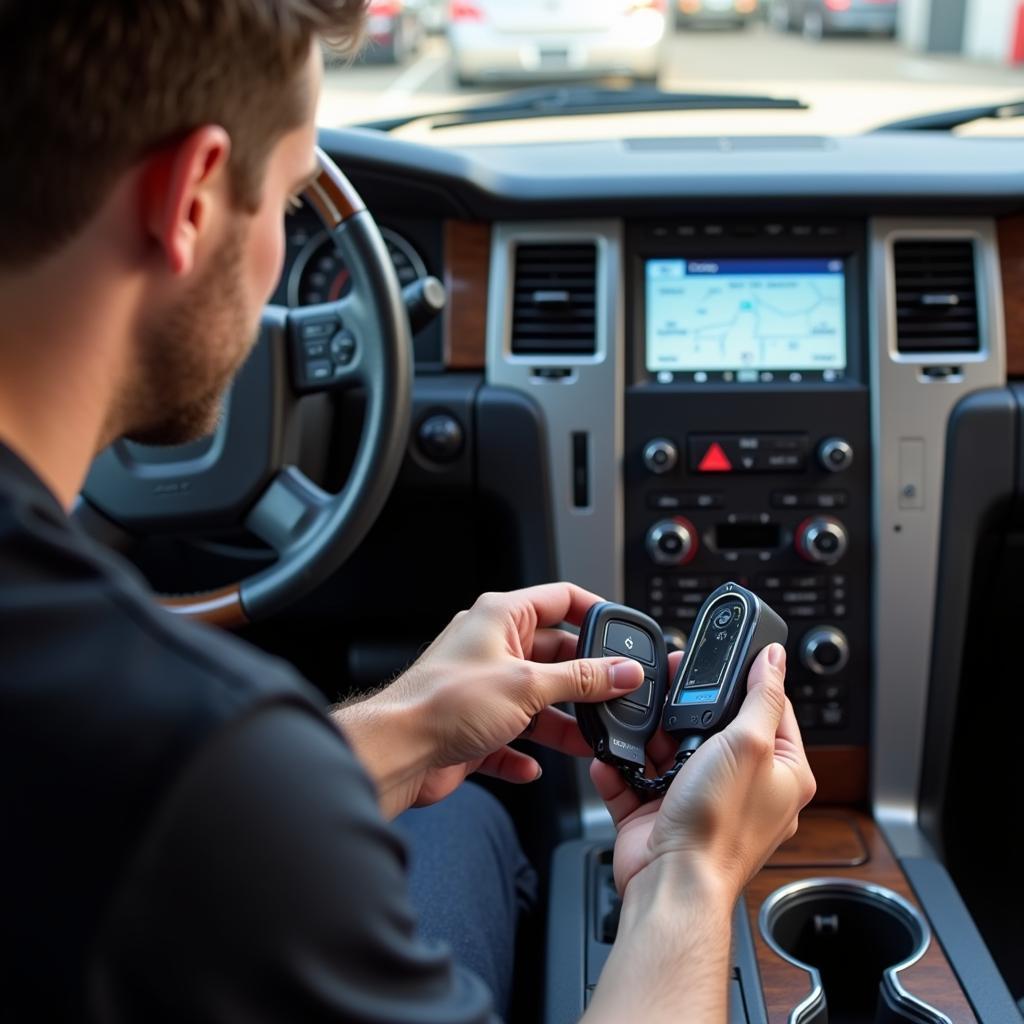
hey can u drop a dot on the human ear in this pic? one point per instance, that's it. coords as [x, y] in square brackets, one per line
[179, 191]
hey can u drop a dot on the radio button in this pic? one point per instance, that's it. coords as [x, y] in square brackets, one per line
[672, 541]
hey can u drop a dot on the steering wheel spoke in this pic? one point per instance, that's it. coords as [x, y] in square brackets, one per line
[288, 511]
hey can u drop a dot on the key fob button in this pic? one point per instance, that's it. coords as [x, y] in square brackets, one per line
[627, 712]
[630, 641]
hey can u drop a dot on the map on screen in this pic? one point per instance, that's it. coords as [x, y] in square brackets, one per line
[748, 315]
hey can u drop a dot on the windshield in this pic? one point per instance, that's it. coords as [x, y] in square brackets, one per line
[853, 65]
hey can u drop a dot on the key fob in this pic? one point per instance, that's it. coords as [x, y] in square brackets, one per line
[732, 627]
[618, 730]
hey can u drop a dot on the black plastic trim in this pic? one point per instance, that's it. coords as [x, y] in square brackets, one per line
[513, 473]
[980, 482]
[956, 932]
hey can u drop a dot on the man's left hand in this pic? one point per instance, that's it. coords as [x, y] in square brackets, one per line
[490, 677]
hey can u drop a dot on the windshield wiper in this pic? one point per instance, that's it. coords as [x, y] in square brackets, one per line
[584, 100]
[947, 120]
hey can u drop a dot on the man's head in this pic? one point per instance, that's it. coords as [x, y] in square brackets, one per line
[171, 134]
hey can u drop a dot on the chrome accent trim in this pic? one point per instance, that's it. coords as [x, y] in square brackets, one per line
[906, 405]
[869, 892]
[589, 541]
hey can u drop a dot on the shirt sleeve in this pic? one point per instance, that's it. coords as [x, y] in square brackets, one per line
[271, 890]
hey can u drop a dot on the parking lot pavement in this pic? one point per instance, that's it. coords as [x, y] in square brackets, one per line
[853, 83]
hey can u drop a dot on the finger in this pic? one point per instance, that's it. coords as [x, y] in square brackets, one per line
[556, 730]
[789, 731]
[675, 659]
[613, 790]
[586, 679]
[762, 710]
[550, 603]
[511, 766]
[553, 645]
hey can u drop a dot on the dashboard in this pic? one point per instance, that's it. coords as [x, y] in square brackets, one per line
[666, 363]
[712, 336]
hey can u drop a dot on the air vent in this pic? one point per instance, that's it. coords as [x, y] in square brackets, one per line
[936, 297]
[555, 308]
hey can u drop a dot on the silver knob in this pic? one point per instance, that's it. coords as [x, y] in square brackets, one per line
[822, 539]
[825, 651]
[660, 455]
[672, 541]
[835, 454]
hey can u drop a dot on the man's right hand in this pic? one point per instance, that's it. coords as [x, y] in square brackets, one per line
[682, 861]
[735, 801]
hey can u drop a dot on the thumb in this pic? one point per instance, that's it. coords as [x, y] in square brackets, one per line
[766, 693]
[587, 679]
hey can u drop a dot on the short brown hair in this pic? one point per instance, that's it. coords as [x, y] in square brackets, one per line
[89, 87]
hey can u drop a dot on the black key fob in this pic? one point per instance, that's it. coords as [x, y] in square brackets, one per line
[618, 730]
[732, 627]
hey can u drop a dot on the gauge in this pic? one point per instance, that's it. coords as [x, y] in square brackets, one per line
[319, 273]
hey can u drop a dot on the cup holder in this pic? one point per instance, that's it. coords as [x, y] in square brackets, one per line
[854, 938]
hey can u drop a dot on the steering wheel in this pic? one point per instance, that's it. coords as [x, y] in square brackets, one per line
[243, 474]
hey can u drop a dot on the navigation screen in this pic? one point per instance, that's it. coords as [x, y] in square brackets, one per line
[746, 319]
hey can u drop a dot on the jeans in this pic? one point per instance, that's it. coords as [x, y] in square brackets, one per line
[469, 881]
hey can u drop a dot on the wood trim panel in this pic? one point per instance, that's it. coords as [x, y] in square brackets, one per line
[221, 608]
[785, 985]
[467, 261]
[831, 840]
[1010, 233]
[841, 774]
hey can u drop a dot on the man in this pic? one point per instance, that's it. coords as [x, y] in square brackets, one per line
[186, 836]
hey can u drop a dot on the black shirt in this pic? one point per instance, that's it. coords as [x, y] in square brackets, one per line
[184, 836]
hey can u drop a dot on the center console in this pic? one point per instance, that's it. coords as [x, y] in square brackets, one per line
[747, 443]
[750, 407]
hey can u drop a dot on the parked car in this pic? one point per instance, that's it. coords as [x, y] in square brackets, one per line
[725, 13]
[818, 18]
[544, 39]
[394, 31]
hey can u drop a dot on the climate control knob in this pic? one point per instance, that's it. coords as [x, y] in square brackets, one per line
[835, 454]
[660, 455]
[825, 651]
[672, 541]
[822, 539]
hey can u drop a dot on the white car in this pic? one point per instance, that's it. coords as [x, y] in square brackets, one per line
[516, 40]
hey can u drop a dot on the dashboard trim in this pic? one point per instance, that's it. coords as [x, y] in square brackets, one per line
[906, 406]
[588, 540]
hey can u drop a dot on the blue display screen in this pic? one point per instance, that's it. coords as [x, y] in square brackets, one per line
[752, 319]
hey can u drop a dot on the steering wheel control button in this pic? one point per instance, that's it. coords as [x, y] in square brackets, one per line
[630, 641]
[319, 370]
[660, 456]
[323, 327]
[835, 454]
[672, 541]
[441, 438]
[322, 349]
[343, 348]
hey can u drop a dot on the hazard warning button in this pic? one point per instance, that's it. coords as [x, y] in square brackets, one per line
[714, 460]
[711, 455]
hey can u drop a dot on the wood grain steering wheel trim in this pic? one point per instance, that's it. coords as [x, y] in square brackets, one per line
[216, 607]
[335, 200]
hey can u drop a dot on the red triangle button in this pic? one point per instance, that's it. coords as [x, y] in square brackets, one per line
[715, 460]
